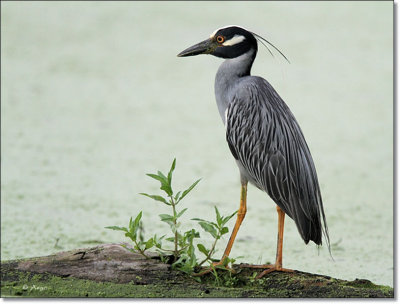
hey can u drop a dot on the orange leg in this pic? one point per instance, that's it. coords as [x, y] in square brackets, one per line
[240, 216]
[279, 246]
[278, 262]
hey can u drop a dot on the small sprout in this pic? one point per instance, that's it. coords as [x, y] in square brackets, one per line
[171, 200]
[132, 233]
[217, 230]
[184, 249]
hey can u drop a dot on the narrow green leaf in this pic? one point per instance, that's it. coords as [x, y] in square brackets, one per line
[225, 263]
[167, 188]
[117, 228]
[177, 196]
[174, 228]
[214, 224]
[191, 234]
[149, 244]
[130, 224]
[224, 230]
[218, 216]
[162, 176]
[158, 240]
[228, 261]
[156, 197]
[202, 249]
[140, 231]
[131, 236]
[157, 177]
[226, 219]
[137, 221]
[163, 180]
[140, 247]
[180, 213]
[209, 228]
[138, 217]
[198, 219]
[166, 217]
[170, 172]
[170, 239]
[134, 224]
[208, 222]
[189, 189]
[180, 237]
[179, 261]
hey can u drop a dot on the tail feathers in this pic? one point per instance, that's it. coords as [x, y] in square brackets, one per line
[311, 224]
[309, 227]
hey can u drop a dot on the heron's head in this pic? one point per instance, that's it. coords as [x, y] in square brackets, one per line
[230, 42]
[226, 42]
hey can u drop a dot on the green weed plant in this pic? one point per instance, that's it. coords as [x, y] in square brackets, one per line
[181, 247]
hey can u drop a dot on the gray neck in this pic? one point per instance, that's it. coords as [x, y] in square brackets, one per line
[230, 71]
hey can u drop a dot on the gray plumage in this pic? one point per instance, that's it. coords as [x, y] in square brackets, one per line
[264, 136]
[272, 154]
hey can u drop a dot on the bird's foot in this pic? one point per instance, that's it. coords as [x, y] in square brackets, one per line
[221, 264]
[268, 268]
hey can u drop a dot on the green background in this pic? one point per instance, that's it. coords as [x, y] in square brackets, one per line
[93, 97]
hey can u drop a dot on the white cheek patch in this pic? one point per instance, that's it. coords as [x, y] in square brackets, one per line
[235, 40]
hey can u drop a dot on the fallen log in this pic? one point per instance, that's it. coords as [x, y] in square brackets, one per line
[111, 270]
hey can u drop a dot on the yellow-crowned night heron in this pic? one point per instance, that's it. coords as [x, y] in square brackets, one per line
[264, 138]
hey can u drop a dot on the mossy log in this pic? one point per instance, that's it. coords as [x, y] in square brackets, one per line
[111, 270]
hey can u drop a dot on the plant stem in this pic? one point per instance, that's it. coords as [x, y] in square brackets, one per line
[176, 229]
[142, 251]
[210, 252]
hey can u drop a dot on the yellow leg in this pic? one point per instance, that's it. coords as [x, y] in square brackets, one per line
[278, 261]
[240, 216]
[281, 224]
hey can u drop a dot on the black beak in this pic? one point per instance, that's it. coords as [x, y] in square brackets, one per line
[204, 47]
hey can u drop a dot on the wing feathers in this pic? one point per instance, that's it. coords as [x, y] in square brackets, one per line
[265, 138]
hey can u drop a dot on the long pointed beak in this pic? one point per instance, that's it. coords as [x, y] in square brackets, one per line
[204, 47]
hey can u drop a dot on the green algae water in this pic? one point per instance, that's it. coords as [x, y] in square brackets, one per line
[93, 97]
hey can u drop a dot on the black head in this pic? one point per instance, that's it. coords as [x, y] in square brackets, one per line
[227, 42]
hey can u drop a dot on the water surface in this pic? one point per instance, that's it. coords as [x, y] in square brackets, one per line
[93, 97]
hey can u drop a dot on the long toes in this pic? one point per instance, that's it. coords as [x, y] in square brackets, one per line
[211, 268]
[264, 266]
[273, 269]
[266, 271]
[286, 270]
[199, 274]
[208, 270]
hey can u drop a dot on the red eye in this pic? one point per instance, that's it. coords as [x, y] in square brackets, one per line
[220, 39]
